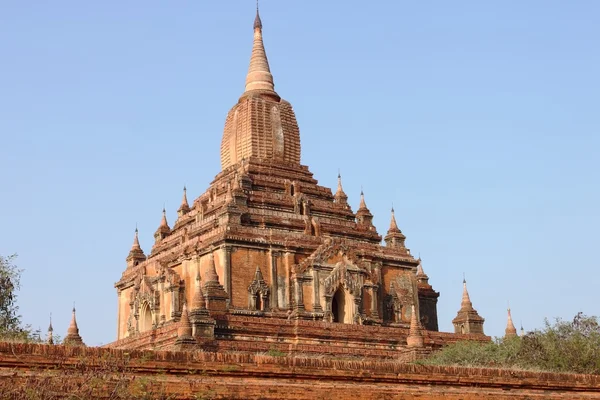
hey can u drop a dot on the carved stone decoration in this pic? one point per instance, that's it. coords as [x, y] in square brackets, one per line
[258, 292]
[278, 139]
[402, 295]
[349, 278]
[145, 304]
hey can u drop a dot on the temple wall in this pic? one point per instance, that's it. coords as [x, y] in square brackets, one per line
[68, 371]
[243, 267]
[124, 311]
[307, 295]
[366, 302]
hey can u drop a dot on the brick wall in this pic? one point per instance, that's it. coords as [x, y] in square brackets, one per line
[251, 376]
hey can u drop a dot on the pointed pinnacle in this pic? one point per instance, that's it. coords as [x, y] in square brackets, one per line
[257, 21]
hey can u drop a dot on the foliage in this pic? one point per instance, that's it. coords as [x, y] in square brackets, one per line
[10, 282]
[11, 328]
[560, 347]
[275, 353]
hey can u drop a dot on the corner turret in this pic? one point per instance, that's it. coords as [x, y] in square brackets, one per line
[394, 237]
[136, 254]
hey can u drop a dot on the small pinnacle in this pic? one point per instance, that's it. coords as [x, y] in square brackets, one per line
[257, 21]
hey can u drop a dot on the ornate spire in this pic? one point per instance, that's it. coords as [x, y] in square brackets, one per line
[163, 229]
[259, 74]
[420, 271]
[136, 254]
[393, 224]
[339, 187]
[422, 277]
[211, 273]
[214, 293]
[184, 330]
[257, 21]
[73, 337]
[394, 237]
[340, 197]
[363, 215]
[510, 327]
[184, 208]
[198, 303]
[522, 331]
[415, 334]
[136, 241]
[258, 276]
[163, 221]
[467, 319]
[362, 205]
[465, 303]
[50, 339]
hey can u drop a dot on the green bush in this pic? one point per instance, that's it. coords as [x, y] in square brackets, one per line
[560, 347]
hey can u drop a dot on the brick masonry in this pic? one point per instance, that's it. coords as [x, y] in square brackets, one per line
[210, 375]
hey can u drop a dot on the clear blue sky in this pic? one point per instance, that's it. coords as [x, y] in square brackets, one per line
[478, 120]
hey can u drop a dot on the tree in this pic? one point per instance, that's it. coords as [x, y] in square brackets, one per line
[10, 282]
[10, 320]
[562, 347]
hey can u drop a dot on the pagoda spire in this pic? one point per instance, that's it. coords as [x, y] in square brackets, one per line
[136, 241]
[394, 237]
[363, 215]
[340, 197]
[421, 275]
[184, 208]
[136, 254]
[363, 204]
[73, 337]
[50, 339]
[184, 330]
[510, 330]
[259, 74]
[465, 303]
[393, 224]
[415, 334]
[163, 221]
[467, 319]
[163, 229]
[198, 302]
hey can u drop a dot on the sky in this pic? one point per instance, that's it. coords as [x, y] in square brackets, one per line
[477, 120]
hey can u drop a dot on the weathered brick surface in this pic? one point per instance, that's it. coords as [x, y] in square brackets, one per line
[245, 376]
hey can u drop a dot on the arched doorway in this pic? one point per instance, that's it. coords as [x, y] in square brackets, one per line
[146, 320]
[342, 306]
[335, 309]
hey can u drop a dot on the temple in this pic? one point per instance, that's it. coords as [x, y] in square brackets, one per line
[268, 259]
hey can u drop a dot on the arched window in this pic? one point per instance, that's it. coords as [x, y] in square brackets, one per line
[146, 320]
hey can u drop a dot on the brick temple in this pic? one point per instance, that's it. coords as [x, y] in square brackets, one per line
[268, 259]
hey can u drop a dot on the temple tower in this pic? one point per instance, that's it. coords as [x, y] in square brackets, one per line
[73, 338]
[467, 319]
[510, 330]
[266, 241]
